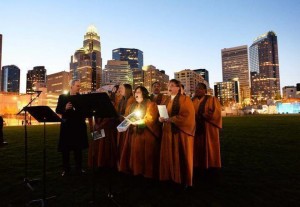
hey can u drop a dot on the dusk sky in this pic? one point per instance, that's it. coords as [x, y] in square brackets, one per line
[173, 34]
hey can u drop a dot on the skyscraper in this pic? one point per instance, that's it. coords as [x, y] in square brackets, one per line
[151, 75]
[227, 92]
[117, 72]
[58, 82]
[35, 78]
[235, 65]
[204, 73]
[133, 56]
[10, 79]
[137, 77]
[0, 61]
[264, 67]
[86, 63]
[190, 79]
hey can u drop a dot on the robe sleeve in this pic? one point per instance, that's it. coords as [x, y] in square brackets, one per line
[214, 107]
[185, 120]
[130, 101]
[151, 118]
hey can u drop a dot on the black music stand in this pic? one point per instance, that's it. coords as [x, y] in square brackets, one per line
[95, 105]
[26, 180]
[43, 114]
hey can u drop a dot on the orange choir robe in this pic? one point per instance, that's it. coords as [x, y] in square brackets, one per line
[158, 99]
[117, 101]
[207, 144]
[104, 149]
[121, 135]
[176, 154]
[140, 155]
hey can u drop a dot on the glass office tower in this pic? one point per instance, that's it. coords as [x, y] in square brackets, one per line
[10, 79]
[133, 56]
[264, 67]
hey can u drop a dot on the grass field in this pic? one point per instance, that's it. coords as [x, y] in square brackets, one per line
[260, 159]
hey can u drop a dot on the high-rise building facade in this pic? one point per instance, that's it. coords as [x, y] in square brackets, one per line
[235, 65]
[190, 79]
[133, 56]
[264, 67]
[138, 78]
[117, 72]
[86, 63]
[10, 79]
[0, 60]
[151, 75]
[227, 92]
[58, 82]
[204, 73]
[35, 78]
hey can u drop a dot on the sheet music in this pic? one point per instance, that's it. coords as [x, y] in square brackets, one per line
[163, 112]
[123, 126]
[128, 120]
[133, 117]
[98, 134]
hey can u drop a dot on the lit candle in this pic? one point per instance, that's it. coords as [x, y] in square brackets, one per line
[138, 113]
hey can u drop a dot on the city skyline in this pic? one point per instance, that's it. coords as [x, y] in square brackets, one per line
[173, 35]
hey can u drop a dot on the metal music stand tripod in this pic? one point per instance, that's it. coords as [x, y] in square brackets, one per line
[95, 105]
[26, 180]
[43, 114]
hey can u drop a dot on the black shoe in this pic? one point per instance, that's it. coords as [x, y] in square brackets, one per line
[3, 144]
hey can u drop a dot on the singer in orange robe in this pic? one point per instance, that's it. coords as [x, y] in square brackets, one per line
[177, 145]
[123, 110]
[208, 122]
[156, 96]
[116, 96]
[140, 154]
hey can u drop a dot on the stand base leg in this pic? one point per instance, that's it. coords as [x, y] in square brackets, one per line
[110, 196]
[42, 201]
[29, 183]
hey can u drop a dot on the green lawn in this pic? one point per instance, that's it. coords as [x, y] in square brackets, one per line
[260, 158]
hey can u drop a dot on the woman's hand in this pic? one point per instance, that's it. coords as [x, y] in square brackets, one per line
[164, 120]
[138, 122]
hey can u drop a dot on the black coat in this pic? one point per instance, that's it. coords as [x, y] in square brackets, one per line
[73, 129]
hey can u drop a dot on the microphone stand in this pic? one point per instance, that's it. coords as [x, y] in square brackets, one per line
[26, 180]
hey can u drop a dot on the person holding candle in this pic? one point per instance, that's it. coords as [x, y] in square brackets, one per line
[140, 155]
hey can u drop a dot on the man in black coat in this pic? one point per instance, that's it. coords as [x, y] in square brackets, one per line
[2, 143]
[73, 129]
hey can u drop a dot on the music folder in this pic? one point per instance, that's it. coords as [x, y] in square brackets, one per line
[94, 104]
[43, 114]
